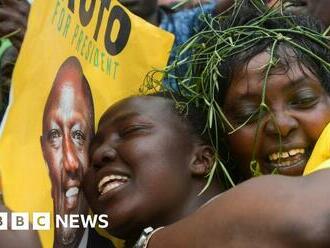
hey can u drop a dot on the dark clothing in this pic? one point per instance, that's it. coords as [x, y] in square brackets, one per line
[97, 241]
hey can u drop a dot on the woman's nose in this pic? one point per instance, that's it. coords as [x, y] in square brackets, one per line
[102, 155]
[281, 123]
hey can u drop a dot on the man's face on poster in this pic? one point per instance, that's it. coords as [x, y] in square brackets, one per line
[67, 130]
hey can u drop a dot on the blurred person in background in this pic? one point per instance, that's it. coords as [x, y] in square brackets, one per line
[7, 61]
[13, 22]
[183, 23]
[317, 8]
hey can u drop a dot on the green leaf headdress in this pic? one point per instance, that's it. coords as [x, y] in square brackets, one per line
[205, 64]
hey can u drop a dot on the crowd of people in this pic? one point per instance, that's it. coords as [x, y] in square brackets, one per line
[150, 160]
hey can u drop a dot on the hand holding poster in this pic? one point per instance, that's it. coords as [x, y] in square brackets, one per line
[78, 57]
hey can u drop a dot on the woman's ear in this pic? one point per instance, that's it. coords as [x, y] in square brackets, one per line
[202, 161]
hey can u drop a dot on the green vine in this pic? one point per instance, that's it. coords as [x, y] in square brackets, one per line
[204, 52]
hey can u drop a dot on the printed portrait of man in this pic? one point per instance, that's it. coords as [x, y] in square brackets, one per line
[67, 129]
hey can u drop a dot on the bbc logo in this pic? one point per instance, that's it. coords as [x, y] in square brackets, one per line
[20, 221]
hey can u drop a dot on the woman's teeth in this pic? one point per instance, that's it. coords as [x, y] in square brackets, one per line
[286, 158]
[111, 182]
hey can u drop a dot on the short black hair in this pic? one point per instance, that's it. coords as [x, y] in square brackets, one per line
[285, 51]
[193, 116]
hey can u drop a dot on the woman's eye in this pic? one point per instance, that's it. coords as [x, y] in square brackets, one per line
[245, 112]
[239, 120]
[304, 102]
[247, 117]
[253, 118]
[131, 130]
[304, 98]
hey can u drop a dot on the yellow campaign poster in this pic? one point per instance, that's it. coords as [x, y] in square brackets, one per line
[78, 57]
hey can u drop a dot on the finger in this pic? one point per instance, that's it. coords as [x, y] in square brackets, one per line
[13, 17]
[17, 43]
[24, 8]
[8, 2]
[5, 14]
[11, 2]
[8, 28]
[16, 40]
[21, 7]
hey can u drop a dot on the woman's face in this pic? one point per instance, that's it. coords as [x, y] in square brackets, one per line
[140, 166]
[300, 109]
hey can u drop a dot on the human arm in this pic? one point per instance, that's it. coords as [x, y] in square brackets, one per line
[13, 19]
[269, 211]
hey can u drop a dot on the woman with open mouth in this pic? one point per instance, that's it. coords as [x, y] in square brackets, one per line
[265, 80]
[280, 138]
[149, 160]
